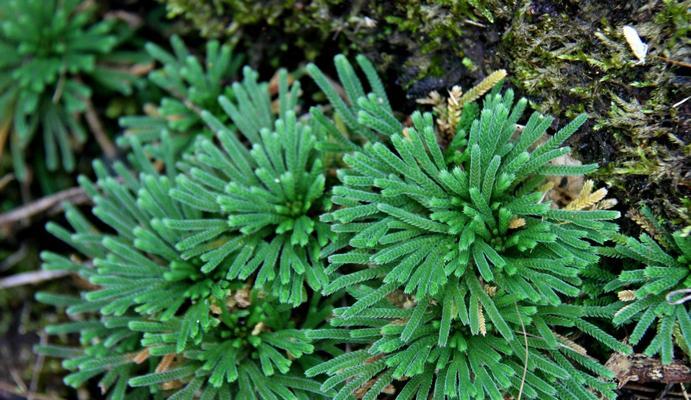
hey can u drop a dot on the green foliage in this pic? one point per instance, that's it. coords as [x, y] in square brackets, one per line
[157, 322]
[52, 55]
[216, 270]
[654, 285]
[406, 345]
[465, 231]
[190, 86]
[261, 205]
[403, 199]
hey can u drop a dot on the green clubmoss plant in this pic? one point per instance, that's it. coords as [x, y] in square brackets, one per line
[654, 287]
[190, 86]
[339, 254]
[156, 324]
[53, 53]
[485, 269]
[261, 201]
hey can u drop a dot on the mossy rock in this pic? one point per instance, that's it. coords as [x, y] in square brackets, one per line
[571, 57]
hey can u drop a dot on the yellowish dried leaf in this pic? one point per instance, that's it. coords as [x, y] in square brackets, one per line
[483, 87]
[481, 320]
[627, 295]
[242, 297]
[433, 99]
[259, 328]
[547, 186]
[172, 385]
[606, 204]
[453, 110]
[586, 198]
[165, 363]
[490, 290]
[516, 223]
[572, 345]
[141, 356]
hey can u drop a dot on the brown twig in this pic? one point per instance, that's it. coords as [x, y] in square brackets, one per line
[9, 389]
[30, 278]
[663, 395]
[187, 102]
[57, 94]
[675, 62]
[38, 367]
[4, 133]
[641, 369]
[5, 180]
[17, 378]
[337, 86]
[49, 204]
[14, 258]
[132, 20]
[136, 69]
[99, 132]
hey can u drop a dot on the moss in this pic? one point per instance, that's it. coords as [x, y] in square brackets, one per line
[570, 57]
[413, 39]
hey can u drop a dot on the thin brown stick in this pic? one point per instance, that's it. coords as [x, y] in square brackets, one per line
[663, 395]
[136, 69]
[59, 88]
[641, 369]
[7, 388]
[99, 132]
[4, 132]
[30, 278]
[187, 102]
[14, 258]
[38, 367]
[5, 180]
[132, 20]
[675, 62]
[17, 378]
[48, 204]
[337, 86]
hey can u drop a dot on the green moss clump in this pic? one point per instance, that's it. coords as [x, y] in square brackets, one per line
[415, 39]
[569, 58]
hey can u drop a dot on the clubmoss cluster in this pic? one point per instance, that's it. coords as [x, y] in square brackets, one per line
[348, 252]
[156, 322]
[655, 287]
[263, 203]
[190, 85]
[465, 232]
[53, 53]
